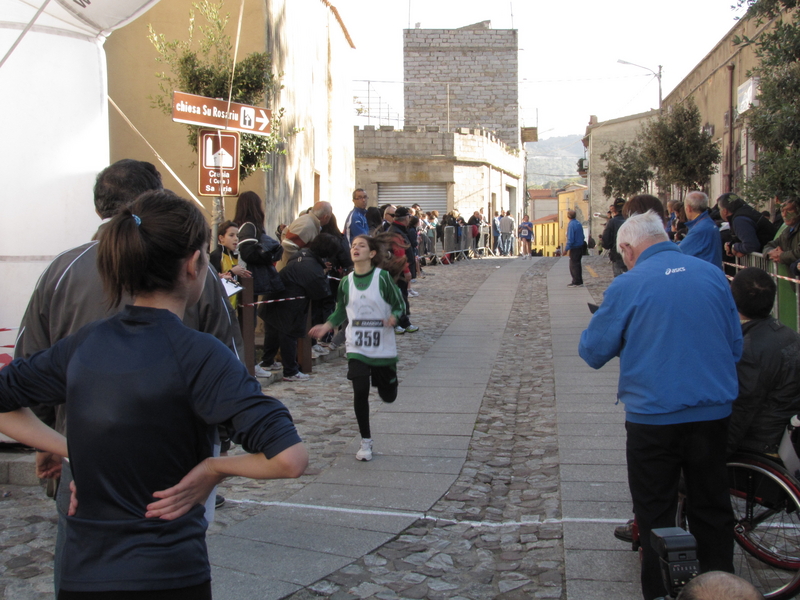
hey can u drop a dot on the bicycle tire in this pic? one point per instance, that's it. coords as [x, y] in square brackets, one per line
[766, 505]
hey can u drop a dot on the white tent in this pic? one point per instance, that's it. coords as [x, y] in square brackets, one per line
[54, 117]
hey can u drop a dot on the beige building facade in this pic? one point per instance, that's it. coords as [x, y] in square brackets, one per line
[573, 197]
[598, 139]
[466, 170]
[309, 44]
[723, 91]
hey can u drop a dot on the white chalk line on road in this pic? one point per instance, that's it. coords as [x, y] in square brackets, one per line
[428, 517]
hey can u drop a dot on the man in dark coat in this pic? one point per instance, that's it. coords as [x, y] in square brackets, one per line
[750, 228]
[305, 278]
[609, 237]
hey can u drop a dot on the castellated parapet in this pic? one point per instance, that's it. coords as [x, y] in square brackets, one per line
[417, 142]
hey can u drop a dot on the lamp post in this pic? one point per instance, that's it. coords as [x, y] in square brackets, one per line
[657, 76]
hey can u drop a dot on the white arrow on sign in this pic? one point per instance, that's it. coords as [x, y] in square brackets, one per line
[262, 119]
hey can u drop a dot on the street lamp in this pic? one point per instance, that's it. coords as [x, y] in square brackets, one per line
[657, 76]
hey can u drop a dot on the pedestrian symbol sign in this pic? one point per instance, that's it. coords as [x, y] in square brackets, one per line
[219, 162]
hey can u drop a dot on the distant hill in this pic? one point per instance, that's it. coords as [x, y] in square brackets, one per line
[553, 158]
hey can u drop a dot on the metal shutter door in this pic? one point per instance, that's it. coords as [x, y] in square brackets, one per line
[430, 196]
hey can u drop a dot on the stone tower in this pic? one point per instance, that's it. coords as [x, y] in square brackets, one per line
[465, 77]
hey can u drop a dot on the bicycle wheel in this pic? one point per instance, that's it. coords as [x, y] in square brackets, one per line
[766, 506]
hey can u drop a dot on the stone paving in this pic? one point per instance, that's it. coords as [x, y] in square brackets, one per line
[486, 538]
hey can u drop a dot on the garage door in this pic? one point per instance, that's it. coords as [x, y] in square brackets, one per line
[430, 196]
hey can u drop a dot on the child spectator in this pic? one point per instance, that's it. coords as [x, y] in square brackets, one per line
[224, 257]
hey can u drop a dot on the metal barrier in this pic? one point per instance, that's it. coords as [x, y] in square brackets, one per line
[787, 307]
[457, 246]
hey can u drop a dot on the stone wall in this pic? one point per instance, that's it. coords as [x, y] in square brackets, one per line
[463, 78]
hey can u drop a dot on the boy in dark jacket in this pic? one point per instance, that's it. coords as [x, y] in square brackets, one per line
[769, 370]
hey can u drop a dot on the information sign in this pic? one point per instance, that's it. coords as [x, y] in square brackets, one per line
[219, 162]
[209, 112]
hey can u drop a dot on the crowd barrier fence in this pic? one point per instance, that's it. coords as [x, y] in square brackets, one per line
[465, 245]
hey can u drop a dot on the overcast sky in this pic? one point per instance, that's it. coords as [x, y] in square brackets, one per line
[568, 50]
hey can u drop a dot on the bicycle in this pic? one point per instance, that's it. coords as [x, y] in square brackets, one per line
[765, 497]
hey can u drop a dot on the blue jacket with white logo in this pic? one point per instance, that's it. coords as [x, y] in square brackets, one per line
[355, 224]
[703, 240]
[673, 323]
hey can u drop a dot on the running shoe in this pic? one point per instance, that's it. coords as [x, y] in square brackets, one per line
[365, 452]
[297, 377]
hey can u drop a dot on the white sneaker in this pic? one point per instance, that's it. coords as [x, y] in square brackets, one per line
[413, 293]
[273, 367]
[320, 350]
[399, 330]
[365, 452]
[261, 373]
[299, 376]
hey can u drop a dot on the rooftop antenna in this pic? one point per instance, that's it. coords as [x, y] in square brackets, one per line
[511, 4]
[409, 14]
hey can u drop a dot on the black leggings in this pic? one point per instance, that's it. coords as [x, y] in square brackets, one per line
[384, 378]
[195, 592]
[361, 405]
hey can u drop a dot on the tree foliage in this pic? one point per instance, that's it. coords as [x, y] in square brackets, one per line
[627, 170]
[201, 65]
[681, 153]
[774, 122]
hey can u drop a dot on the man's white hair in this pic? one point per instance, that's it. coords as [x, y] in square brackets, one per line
[640, 228]
[697, 201]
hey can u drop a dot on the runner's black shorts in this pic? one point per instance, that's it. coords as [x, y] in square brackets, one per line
[383, 377]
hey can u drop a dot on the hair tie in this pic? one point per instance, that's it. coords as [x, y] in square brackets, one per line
[137, 219]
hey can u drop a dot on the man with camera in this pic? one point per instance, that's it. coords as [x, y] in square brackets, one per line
[671, 313]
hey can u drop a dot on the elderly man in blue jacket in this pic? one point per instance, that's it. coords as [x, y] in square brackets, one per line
[703, 239]
[576, 245]
[671, 313]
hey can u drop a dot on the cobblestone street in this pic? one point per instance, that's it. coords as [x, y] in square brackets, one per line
[497, 532]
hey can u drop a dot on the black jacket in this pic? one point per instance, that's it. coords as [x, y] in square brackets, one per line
[215, 258]
[747, 223]
[304, 275]
[769, 386]
[609, 238]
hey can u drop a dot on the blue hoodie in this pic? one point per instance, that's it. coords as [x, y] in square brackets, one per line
[673, 323]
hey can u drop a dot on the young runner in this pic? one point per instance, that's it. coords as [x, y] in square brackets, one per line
[371, 301]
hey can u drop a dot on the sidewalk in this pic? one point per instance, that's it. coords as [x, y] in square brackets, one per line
[421, 446]
[591, 444]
